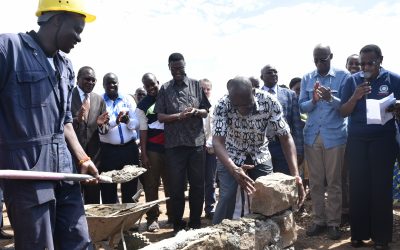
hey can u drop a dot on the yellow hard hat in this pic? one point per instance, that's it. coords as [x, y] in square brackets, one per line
[75, 6]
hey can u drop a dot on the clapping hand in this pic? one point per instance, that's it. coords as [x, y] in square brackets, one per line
[103, 119]
[123, 117]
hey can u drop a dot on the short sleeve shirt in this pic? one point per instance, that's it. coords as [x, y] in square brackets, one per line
[248, 135]
[386, 83]
[174, 98]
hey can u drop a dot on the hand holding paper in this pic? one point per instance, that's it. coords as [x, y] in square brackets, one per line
[377, 110]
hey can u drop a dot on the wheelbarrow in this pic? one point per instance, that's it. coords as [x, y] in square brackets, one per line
[108, 222]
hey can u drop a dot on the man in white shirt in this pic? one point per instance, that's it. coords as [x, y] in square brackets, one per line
[211, 161]
[118, 144]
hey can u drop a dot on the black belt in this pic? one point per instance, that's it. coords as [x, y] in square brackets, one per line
[119, 145]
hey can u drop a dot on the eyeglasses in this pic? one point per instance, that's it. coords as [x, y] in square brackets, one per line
[322, 60]
[372, 63]
[90, 79]
[270, 72]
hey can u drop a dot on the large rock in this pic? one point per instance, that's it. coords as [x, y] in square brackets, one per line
[275, 193]
[287, 227]
[253, 232]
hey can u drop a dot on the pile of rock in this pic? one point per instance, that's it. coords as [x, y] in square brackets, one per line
[270, 226]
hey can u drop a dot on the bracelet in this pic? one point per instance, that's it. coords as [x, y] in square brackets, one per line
[84, 160]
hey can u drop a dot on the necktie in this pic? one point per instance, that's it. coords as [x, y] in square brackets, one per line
[86, 105]
[271, 91]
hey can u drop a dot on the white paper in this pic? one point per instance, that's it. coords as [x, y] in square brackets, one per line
[376, 110]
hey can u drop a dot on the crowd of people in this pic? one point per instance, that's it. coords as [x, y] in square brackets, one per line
[317, 131]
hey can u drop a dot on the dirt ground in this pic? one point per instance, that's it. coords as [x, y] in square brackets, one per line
[302, 220]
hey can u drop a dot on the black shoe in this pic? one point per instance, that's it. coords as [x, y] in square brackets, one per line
[334, 233]
[381, 246]
[5, 236]
[209, 216]
[193, 225]
[179, 226]
[357, 243]
[315, 230]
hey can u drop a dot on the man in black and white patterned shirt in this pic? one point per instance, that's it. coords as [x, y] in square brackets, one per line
[243, 121]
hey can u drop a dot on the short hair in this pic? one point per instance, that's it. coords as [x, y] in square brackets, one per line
[148, 76]
[371, 48]
[205, 80]
[254, 81]
[350, 56]
[294, 81]
[268, 66]
[175, 57]
[239, 83]
[80, 72]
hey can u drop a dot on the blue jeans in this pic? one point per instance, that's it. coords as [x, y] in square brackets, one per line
[209, 182]
[228, 187]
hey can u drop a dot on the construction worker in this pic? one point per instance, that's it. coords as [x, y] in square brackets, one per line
[36, 81]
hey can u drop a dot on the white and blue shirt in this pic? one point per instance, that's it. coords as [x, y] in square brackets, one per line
[121, 133]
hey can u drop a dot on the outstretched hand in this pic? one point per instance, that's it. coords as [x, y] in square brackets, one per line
[244, 180]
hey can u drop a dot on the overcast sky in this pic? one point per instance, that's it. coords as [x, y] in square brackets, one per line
[221, 38]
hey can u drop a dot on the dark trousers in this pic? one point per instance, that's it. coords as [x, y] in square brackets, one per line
[181, 161]
[209, 183]
[46, 215]
[371, 163]
[1, 205]
[115, 157]
[279, 162]
[151, 184]
[91, 194]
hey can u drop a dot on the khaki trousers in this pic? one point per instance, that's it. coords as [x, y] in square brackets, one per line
[325, 169]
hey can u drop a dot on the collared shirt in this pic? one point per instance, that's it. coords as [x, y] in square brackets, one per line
[323, 117]
[385, 84]
[272, 91]
[174, 98]
[82, 94]
[208, 127]
[248, 135]
[119, 133]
